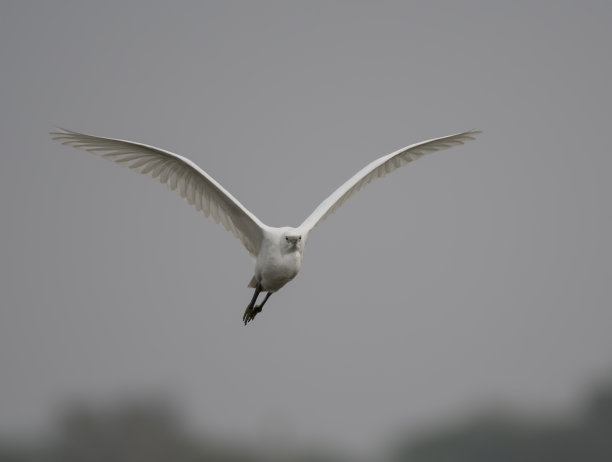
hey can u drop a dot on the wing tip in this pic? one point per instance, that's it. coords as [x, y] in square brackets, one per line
[60, 133]
[472, 133]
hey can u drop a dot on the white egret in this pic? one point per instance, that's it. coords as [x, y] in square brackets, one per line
[277, 251]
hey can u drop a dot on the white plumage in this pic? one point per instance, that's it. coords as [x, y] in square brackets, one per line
[278, 251]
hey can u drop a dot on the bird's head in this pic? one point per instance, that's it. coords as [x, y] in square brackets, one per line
[292, 240]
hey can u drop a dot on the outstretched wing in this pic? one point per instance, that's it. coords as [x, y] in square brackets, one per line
[379, 168]
[180, 175]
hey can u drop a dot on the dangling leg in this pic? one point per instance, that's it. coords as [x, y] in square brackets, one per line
[257, 308]
[251, 310]
[248, 313]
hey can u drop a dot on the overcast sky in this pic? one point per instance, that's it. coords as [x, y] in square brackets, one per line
[475, 275]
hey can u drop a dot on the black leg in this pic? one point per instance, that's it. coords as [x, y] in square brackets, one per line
[259, 307]
[255, 295]
[250, 313]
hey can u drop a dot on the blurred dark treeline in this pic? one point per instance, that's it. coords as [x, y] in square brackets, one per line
[153, 432]
[585, 436]
[143, 431]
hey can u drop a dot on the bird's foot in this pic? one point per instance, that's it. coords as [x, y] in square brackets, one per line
[250, 313]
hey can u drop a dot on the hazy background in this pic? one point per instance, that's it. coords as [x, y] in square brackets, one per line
[474, 276]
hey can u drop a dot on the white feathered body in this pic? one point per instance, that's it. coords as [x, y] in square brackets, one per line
[278, 261]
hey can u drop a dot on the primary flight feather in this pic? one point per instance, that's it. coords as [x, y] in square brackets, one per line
[278, 251]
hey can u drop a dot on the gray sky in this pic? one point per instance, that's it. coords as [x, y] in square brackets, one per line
[474, 275]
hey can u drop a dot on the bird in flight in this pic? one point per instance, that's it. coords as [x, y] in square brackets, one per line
[277, 251]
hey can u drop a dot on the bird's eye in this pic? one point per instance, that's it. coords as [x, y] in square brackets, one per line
[300, 238]
[286, 238]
